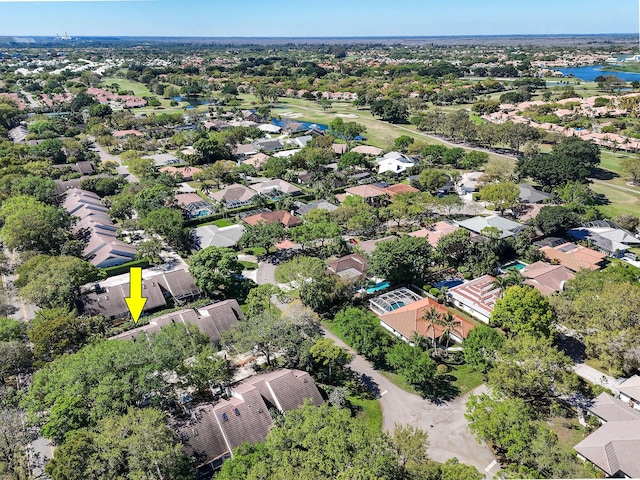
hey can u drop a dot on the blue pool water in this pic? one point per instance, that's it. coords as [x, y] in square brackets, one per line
[517, 265]
[448, 283]
[379, 286]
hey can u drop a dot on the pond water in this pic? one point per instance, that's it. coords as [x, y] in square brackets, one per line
[589, 73]
[192, 101]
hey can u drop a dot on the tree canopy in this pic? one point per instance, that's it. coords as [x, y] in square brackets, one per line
[214, 268]
[405, 259]
[523, 310]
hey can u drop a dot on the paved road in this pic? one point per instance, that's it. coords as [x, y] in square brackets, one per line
[107, 157]
[449, 434]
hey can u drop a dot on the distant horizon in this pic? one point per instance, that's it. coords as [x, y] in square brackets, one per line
[333, 18]
[481, 35]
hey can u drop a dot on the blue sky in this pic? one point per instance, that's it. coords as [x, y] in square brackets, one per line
[303, 18]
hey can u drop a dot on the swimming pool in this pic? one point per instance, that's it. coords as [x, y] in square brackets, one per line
[378, 286]
[515, 265]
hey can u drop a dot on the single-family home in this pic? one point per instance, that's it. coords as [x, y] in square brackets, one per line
[277, 216]
[369, 246]
[304, 208]
[399, 188]
[276, 188]
[349, 267]
[257, 161]
[477, 297]
[606, 237]
[213, 431]
[546, 278]
[18, 134]
[407, 319]
[164, 159]
[235, 195]
[193, 205]
[469, 182]
[433, 233]
[119, 134]
[630, 392]
[367, 150]
[394, 162]
[574, 257]
[614, 446]
[371, 193]
[530, 194]
[214, 236]
[506, 227]
[211, 320]
[187, 172]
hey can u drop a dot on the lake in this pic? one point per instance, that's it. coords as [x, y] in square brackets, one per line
[589, 73]
[192, 101]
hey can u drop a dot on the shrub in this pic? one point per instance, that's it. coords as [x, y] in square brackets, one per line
[442, 369]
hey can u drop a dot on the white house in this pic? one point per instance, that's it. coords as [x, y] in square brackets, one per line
[630, 391]
[394, 162]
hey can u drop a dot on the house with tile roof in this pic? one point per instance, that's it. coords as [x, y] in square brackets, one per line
[530, 194]
[235, 195]
[349, 267]
[615, 446]
[630, 391]
[277, 216]
[102, 248]
[213, 431]
[368, 192]
[477, 297]
[214, 236]
[574, 257]
[276, 187]
[507, 228]
[399, 188]
[158, 287]
[433, 233]
[211, 320]
[606, 237]
[405, 321]
[546, 278]
[367, 150]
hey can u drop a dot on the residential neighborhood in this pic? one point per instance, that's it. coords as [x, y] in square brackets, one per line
[405, 257]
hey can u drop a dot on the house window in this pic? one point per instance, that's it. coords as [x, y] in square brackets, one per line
[225, 418]
[237, 412]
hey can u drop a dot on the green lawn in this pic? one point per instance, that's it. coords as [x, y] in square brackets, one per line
[223, 222]
[621, 202]
[466, 378]
[140, 90]
[249, 265]
[399, 381]
[369, 412]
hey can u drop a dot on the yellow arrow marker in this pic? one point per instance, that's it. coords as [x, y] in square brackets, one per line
[135, 300]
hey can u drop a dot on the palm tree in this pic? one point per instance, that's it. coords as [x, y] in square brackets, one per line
[433, 318]
[205, 188]
[449, 324]
[418, 340]
[513, 277]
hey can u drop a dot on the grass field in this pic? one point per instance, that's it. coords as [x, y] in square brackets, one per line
[466, 378]
[140, 90]
[369, 411]
[621, 202]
